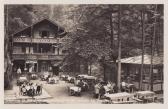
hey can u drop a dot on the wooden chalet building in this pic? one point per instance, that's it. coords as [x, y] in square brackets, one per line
[38, 48]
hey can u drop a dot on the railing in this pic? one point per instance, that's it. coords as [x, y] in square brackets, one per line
[21, 39]
[40, 40]
[37, 56]
[45, 40]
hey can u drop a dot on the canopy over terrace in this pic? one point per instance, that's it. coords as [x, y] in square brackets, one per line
[131, 68]
[157, 60]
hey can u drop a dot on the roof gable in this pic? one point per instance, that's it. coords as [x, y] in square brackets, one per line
[61, 30]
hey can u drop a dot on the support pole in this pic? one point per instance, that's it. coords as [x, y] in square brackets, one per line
[119, 50]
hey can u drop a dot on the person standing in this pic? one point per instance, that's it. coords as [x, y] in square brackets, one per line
[96, 90]
[19, 72]
[30, 69]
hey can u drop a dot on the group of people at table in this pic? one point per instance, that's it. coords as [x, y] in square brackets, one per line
[80, 82]
[30, 89]
[102, 88]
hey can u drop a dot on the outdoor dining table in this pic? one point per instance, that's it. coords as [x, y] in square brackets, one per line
[147, 96]
[120, 98]
[73, 90]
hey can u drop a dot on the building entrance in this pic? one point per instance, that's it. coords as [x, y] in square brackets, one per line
[19, 64]
[56, 70]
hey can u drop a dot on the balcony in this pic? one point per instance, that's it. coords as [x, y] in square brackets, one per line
[39, 40]
[37, 56]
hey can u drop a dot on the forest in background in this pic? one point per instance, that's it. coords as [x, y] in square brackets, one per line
[93, 29]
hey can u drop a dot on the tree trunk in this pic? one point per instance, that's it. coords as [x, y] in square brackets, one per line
[142, 62]
[111, 27]
[104, 71]
[8, 77]
[152, 52]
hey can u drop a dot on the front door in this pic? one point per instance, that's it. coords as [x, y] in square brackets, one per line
[44, 67]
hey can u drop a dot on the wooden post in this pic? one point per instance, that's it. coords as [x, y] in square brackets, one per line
[52, 51]
[58, 50]
[37, 67]
[142, 61]
[25, 66]
[119, 49]
[37, 48]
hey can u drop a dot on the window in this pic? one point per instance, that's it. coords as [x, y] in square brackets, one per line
[64, 51]
[157, 74]
[23, 49]
[44, 34]
[146, 74]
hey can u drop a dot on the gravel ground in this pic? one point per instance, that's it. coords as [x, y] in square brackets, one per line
[59, 95]
[59, 92]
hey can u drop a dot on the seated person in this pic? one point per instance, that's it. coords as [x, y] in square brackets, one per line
[80, 84]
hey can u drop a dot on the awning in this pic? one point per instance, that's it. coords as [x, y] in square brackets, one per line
[31, 61]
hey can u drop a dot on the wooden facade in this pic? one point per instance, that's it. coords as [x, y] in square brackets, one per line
[38, 47]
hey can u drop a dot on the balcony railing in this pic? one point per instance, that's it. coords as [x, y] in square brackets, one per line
[40, 40]
[37, 56]
[45, 40]
[21, 39]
